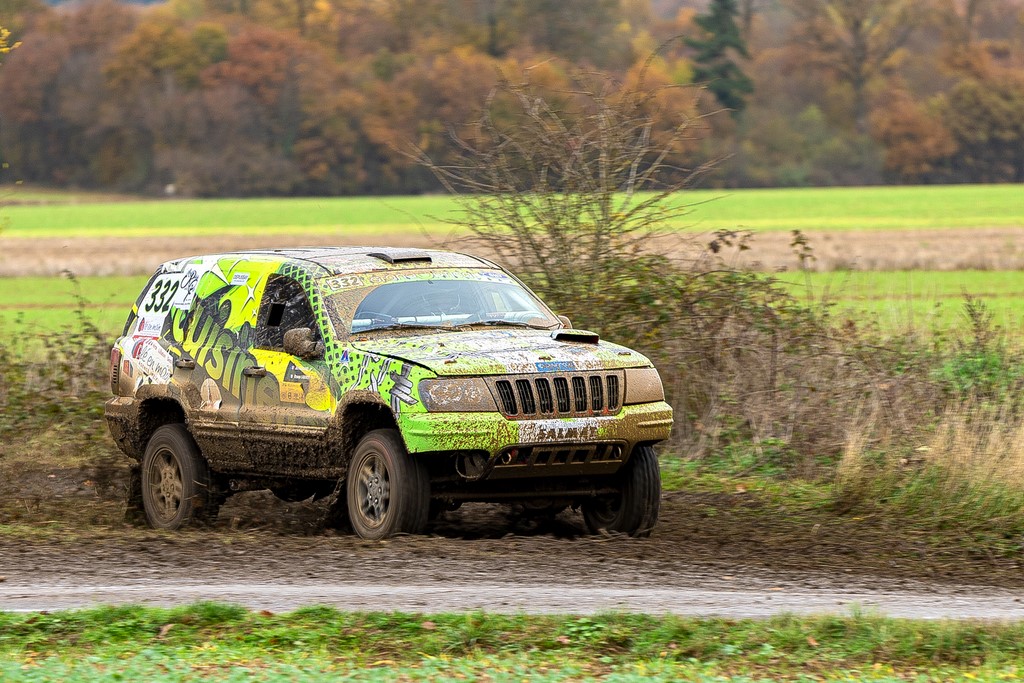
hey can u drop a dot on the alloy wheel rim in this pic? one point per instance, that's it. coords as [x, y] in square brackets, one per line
[374, 490]
[166, 484]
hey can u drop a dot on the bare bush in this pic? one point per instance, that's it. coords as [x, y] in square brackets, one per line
[570, 188]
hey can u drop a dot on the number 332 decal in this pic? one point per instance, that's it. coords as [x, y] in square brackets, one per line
[161, 295]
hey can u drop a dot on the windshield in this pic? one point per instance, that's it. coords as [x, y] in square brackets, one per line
[440, 300]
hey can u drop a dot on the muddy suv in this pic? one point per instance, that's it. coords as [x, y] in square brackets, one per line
[402, 383]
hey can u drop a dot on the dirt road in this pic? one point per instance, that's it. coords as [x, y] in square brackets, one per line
[265, 555]
[696, 596]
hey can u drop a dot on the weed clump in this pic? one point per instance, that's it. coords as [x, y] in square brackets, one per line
[53, 384]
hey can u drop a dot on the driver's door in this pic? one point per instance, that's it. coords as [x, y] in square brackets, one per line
[286, 401]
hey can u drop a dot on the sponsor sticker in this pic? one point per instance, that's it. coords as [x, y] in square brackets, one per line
[239, 279]
[187, 289]
[210, 393]
[153, 360]
[296, 383]
[294, 374]
[149, 326]
[556, 366]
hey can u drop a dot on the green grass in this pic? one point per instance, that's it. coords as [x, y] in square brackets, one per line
[924, 300]
[808, 209]
[218, 642]
[30, 305]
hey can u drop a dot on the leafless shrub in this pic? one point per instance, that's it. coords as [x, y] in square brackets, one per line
[568, 187]
[571, 188]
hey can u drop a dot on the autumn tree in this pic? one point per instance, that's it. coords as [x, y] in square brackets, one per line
[717, 52]
[961, 18]
[856, 40]
[917, 143]
[56, 111]
[6, 45]
[747, 10]
[578, 30]
[986, 120]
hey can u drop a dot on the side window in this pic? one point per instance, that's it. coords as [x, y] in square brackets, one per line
[284, 307]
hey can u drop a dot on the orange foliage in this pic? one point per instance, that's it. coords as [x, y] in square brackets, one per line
[914, 140]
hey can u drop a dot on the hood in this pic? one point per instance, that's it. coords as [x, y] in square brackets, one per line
[501, 352]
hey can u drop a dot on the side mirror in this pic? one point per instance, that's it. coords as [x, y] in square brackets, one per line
[566, 323]
[300, 342]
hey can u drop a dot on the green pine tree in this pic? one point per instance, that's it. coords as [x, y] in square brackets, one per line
[715, 60]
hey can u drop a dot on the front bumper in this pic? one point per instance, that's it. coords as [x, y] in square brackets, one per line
[496, 436]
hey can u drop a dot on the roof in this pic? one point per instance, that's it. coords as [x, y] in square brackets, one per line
[345, 260]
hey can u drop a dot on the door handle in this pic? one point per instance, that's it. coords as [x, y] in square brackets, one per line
[185, 364]
[255, 371]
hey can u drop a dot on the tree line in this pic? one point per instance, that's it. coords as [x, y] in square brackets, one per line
[260, 97]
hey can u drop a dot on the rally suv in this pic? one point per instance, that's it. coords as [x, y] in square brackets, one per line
[400, 382]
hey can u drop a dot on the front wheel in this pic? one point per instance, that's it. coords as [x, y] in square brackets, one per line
[634, 509]
[177, 489]
[388, 491]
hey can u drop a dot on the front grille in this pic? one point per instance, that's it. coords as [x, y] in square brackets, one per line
[562, 393]
[596, 393]
[507, 397]
[613, 390]
[547, 403]
[575, 395]
[525, 390]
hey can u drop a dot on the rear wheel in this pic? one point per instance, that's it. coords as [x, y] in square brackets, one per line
[177, 489]
[388, 491]
[634, 509]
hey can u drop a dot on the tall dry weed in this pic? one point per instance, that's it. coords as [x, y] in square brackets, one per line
[979, 445]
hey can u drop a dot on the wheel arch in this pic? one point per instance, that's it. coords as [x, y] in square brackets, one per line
[359, 414]
[155, 413]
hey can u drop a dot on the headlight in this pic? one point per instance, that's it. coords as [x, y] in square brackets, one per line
[456, 396]
[643, 385]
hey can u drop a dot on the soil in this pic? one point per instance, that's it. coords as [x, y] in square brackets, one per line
[931, 249]
[728, 554]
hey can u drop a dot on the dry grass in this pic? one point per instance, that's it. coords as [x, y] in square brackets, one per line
[947, 249]
[140, 255]
[979, 445]
[966, 479]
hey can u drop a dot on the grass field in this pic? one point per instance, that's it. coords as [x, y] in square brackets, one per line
[921, 300]
[214, 642]
[808, 209]
[897, 301]
[48, 304]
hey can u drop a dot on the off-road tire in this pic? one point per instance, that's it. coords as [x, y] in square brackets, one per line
[388, 492]
[634, 510]
[177, 489]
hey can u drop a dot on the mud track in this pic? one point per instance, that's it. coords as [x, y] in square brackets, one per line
[710, 555]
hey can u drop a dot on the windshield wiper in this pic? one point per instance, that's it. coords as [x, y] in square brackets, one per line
[409, 326]
[513, 323]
